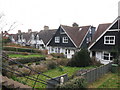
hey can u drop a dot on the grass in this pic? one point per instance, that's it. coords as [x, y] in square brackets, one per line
[24, 56]
[109, 80]
[53, 73]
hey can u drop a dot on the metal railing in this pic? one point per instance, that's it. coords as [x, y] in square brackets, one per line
[7, 68]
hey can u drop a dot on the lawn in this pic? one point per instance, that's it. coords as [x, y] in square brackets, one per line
[109, 80]
[53, 73]
[24, 56]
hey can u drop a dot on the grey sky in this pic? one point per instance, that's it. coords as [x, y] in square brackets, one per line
[35, 14]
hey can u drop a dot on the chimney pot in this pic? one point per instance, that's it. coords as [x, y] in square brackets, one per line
[19, 31]
[29, 30]
[75, 24]
[46, 27]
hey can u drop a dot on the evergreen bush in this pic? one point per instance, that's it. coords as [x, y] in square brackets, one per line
[80, 59]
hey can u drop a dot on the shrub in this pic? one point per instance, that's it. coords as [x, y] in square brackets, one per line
[37, 63]
[95, 62]
[40, 68]
[60, 69]
[51, 64]
[27, 60]
[80, 59]
[29, 64]
[20, 66]
[78, 82]
[25, 71]
[62, 61]
[58, 55]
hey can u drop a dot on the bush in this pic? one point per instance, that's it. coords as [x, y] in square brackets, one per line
[37, 63]
[27, 60]
[95, 62]
[40, 68]
[51, 64]
[80, 59]
[78, 82]
[62, 62]
[20, 66]
[58, 55]
[25, 71]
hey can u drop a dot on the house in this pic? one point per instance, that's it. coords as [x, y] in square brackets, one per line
[106, 42]
[69, 39]
[35, 39]
[24, 39]
[43, 37]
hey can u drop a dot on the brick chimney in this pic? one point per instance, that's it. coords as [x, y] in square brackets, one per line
[75, 24]
[46, 28]
[29, 30]
[119, 8]
[19, 31]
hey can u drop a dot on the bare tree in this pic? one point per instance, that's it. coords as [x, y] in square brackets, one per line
[4, 24]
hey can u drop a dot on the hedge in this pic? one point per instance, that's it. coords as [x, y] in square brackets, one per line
[27, 60]
[21, 49]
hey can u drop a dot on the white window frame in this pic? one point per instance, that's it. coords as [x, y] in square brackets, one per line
[57, 39]
[108, 56]
[65, 39]
[109, 41]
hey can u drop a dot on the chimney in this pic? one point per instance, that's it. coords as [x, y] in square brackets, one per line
[19, 31]
[46, 28]
[75, 24]
[119, 8]
[29, 30]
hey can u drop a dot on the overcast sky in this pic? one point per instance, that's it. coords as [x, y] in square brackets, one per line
[34, 14]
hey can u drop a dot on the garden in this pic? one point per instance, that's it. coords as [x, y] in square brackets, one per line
[54, 67]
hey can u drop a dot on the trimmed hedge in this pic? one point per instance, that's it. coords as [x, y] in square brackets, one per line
[21, 49]
[76, 83]
[27, 60]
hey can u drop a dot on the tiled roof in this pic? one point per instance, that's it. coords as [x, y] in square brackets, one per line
[46, 35]
[25, 35]
[77, 34]
[101, 28]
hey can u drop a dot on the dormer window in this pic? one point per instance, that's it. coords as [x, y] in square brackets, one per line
[32, 37]
[57, 39]
[37, 37]
[90, 31]
[109, 40]
[65, 39]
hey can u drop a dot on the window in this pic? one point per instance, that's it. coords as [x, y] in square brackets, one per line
[109, 40]
[57, 39]
[107, 56]
[56, 50]
[69, 51]
[65, 39]
[65, 51]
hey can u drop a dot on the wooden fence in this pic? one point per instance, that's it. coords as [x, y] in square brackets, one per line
[92, 75]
